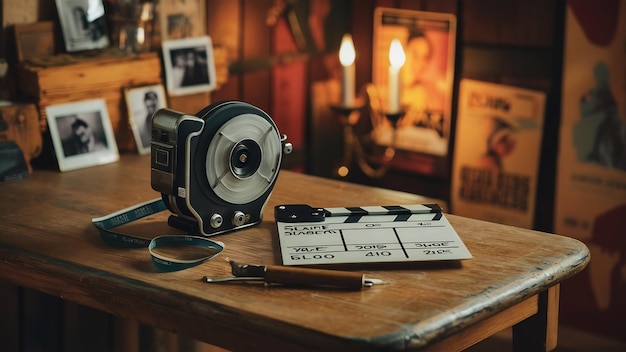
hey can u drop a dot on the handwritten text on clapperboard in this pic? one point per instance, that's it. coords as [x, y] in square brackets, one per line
[378, 238]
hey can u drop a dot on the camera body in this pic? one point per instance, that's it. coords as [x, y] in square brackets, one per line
[215, 169]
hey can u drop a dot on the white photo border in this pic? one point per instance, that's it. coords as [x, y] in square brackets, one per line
[169, 47]
[93, 110]
[136, 111]
[76, 37]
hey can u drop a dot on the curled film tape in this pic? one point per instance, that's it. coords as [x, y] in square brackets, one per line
[106, 223]
[168, 263]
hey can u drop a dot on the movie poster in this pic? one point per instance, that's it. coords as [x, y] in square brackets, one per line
[425, 84]
[590, 202]
[497, 150]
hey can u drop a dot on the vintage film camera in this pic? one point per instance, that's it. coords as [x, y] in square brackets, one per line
[216, 169]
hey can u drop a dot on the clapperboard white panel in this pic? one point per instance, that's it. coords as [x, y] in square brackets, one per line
[311, 236]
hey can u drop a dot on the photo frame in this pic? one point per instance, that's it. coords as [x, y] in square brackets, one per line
[82, 134]
[189, 65]
[83, 24]
[34, 40]
[141, 103]
[182, 19]
[427, 78]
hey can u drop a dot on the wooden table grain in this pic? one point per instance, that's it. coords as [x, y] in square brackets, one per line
[48, 243]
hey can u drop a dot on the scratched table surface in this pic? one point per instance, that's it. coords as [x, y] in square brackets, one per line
[48, 243]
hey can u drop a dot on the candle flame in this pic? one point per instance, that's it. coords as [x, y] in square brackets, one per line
[396, 54]
[146, 12]
[141, 35]
[347, 54]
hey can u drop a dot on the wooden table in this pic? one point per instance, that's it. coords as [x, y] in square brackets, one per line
[48, 243]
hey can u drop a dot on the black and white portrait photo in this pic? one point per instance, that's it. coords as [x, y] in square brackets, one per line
[83, 24]
[142, 103]
[82, 134]
[189, 65]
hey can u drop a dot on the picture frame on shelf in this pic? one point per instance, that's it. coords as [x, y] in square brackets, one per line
[182, 19]
[189, 65]
[34, 40]
[141, 103]
[83, 24]
[82, 134]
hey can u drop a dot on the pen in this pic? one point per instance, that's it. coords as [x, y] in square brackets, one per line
[278, 274]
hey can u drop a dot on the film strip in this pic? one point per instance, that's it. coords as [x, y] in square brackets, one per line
[163, 260]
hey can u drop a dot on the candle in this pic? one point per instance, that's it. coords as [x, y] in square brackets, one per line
[347, 56]
[396, 60]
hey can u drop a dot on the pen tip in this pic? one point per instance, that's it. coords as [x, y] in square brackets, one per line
[372, 282]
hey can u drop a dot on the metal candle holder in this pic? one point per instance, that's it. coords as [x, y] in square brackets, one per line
[353, 148]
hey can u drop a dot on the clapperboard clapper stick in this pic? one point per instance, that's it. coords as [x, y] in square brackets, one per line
[277, 274]
[306, 213]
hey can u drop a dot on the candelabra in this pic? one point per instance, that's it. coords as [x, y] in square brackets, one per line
[373, 162]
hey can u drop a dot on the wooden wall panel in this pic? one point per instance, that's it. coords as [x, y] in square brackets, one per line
[290, 88]
[384, 3]
[256, 43]
[518, 23]
[412, 4]
[362, 30]
[447, 6]
[224, 27]
[529, 23]
[480, 21]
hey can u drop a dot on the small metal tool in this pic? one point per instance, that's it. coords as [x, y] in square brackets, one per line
[277, 274]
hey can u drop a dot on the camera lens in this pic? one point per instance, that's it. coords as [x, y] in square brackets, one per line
[245, 158]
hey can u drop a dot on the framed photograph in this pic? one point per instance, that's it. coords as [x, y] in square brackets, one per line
[425, 81]
[83, 24]
[182, 19]
[33, 40]
[141, 103]
[82, 134]
[189, 65]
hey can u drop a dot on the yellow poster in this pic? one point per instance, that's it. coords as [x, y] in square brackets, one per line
[496, 156]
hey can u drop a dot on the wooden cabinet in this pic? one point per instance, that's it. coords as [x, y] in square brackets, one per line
[19, 123]
[62, 79]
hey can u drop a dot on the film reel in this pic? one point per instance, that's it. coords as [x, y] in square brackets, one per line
[242, 159]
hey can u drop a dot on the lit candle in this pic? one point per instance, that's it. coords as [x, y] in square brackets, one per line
[396, 60]
[347, 56]
[141, 36]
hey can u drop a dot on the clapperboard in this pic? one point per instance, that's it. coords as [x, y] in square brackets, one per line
[373, 234]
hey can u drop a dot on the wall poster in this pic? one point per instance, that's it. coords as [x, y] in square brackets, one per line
[590, 202]
[426, 83]
[497, 148]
